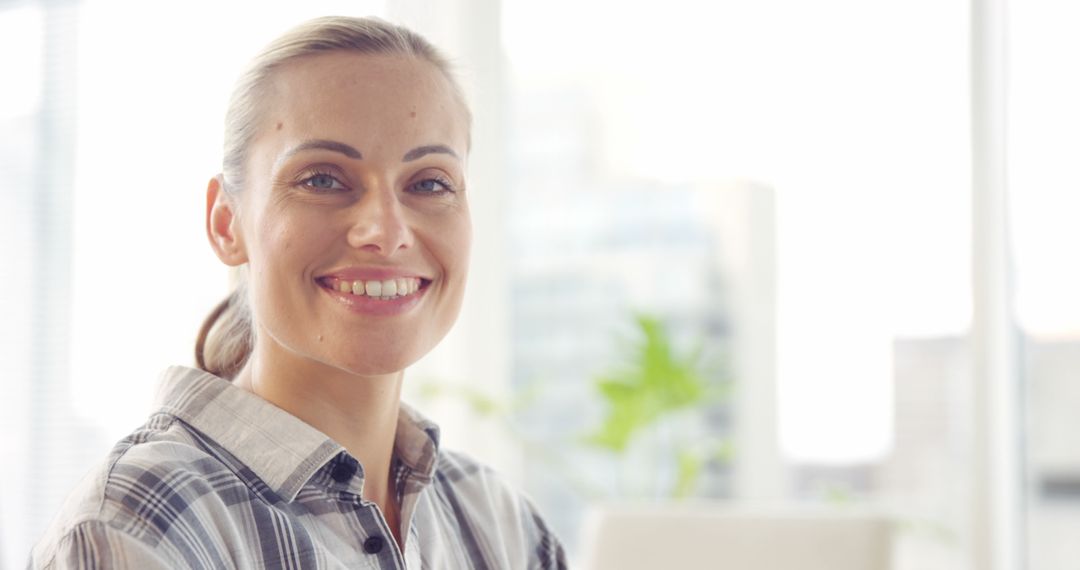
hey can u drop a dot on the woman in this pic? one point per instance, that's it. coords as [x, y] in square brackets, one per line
[343, 199]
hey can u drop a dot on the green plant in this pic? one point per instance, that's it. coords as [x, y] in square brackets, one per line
[653, 386]
[655, 402]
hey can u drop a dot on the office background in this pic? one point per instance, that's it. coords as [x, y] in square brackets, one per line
[859, 215]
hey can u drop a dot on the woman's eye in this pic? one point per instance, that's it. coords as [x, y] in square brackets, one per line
[322, 183]
[432, 186]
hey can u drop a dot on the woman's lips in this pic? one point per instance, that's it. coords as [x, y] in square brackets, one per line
[383, 289]
[373, 301]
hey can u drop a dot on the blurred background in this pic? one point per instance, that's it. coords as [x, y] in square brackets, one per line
[743, 256]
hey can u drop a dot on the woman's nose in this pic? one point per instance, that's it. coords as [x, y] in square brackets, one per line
[379, 223]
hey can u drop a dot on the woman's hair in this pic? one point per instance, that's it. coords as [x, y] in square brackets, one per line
[227, 335]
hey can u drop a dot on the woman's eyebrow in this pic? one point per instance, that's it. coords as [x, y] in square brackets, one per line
[323, 144]
[428, 149]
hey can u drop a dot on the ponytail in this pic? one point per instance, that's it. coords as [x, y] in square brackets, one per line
[226, 337]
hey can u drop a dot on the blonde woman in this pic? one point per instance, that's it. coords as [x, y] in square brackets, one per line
[343, 199]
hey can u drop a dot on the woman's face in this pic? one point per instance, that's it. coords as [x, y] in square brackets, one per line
[354, 215]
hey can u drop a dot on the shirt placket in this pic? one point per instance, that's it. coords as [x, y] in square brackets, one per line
[378, 546]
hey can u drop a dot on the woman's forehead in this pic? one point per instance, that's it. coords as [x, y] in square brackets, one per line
[346, 67]
[350, 81]
[362, 98]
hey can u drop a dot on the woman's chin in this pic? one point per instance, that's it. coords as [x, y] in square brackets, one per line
[370, 364]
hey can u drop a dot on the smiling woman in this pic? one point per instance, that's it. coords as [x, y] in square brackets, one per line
[343, 199]
[331, 196]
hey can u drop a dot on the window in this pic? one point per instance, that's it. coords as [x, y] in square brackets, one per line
[1043, 136]
[786, 183]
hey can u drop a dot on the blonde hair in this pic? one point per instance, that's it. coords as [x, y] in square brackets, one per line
[227, 335]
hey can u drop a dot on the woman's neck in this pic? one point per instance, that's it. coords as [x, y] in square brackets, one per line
[359, 412]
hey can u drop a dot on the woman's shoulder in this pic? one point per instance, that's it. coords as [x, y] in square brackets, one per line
[160, 450]
[481, 500]
[146, 478]
[476, 483]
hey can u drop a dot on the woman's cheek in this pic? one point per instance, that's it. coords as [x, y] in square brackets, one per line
[296, 228]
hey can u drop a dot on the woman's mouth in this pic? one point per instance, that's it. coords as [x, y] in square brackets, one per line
[385, 289]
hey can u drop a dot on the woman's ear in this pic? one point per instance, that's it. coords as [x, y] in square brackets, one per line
[223, 225]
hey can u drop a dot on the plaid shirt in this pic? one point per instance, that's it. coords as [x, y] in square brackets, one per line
[219, 478]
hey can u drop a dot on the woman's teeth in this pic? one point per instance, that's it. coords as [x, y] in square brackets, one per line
[387, 289]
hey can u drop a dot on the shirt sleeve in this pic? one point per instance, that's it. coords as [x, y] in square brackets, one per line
[93, 545]
[550, 554]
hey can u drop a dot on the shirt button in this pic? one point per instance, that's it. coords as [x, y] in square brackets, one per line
[342, 472]
[374, 544]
